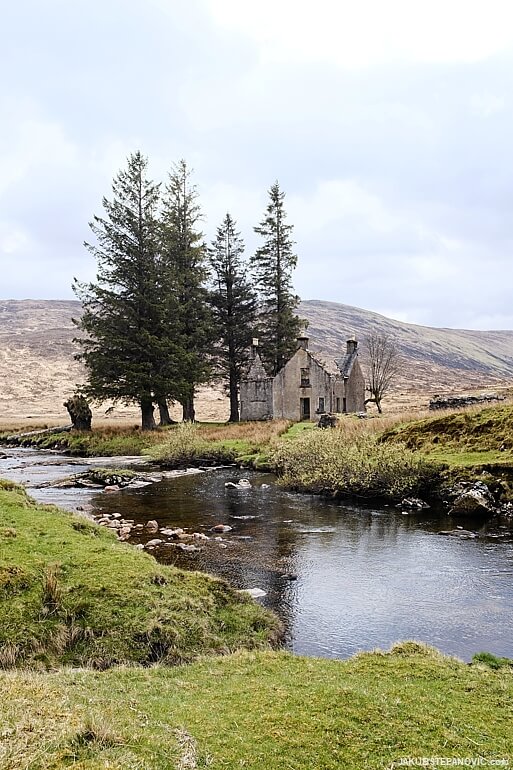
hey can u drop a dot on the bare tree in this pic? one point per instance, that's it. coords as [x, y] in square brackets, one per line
[383, 366]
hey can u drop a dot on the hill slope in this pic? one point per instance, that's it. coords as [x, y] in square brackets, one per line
[434, 359]
[37, 370]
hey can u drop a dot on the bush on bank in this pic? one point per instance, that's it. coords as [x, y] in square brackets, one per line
[321, 461]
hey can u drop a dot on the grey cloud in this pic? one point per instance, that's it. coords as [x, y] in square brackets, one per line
[426, 147]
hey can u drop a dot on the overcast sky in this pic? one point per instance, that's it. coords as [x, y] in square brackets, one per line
[388, 125]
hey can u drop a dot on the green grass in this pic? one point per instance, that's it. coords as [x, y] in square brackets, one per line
[109, 442]
[487, 429]
[297, 429]
[259, 711]
[478, 460]
[71, 594]
[476, 444]
[493, 661]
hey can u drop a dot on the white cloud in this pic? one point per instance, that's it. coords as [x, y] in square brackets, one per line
[358, 34]
[485, 104]
[336, 201]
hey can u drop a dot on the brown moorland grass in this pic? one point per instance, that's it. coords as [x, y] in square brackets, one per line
[255, 432]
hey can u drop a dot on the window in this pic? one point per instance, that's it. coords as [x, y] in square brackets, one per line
[305, 378]
[321, 405]
[338, 406]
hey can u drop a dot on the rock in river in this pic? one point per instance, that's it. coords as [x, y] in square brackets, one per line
[474, 499]
[153, 543]
[241, 484]
[463, 534]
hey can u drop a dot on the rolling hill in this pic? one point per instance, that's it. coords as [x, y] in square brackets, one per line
[37, 369]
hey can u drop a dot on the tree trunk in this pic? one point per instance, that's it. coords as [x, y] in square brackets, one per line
[165, 417]
[147, 418]
[188, 412]
[234, 400]
[79, 412]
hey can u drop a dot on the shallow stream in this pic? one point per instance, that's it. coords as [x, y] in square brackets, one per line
[342, 578]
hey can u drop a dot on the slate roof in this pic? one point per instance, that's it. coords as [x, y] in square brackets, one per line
[334, 366]
[346, 363]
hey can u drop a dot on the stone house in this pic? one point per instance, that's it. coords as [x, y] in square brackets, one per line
[310, 384]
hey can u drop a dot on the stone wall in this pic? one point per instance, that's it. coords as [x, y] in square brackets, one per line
[256, 399]
[288, 392]
[453, 402]
[355, 390]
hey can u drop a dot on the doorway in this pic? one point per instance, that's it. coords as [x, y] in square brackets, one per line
[304, 408]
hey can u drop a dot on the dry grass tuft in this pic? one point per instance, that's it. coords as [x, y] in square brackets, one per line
[254, 432]
[9, 654]
[188, 751]
[52, 592]
[97, 734]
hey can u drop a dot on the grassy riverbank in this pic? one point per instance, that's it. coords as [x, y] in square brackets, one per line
[259, 711]
[378, 458]
[71, 594]
[175, 445]
[472, 437]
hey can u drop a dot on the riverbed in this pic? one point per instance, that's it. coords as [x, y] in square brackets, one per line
[343, 578]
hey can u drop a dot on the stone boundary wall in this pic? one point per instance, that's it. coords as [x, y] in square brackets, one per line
[458, 402]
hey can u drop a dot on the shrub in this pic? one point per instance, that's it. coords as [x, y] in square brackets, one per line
[326, 462]
[184, 444]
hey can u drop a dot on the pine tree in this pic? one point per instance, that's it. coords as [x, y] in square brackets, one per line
[234, 306]
[127, 352]
[184, 257]
[272, 265]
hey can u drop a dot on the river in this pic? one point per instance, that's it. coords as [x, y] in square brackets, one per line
[343, 578]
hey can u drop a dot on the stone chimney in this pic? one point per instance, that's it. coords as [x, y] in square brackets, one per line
[352, 344]
[302, 342]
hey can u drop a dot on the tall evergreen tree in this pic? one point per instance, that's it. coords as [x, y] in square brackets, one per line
[184, 257]
[272, 265]
[127, 355]
[234, 305]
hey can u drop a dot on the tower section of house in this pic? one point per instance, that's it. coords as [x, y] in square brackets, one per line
[354, 382]
[256, 390]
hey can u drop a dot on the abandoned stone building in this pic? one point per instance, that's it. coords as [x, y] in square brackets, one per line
[306, 387]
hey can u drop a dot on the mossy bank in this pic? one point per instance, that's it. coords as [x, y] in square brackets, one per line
[260, 711]
[71, 594]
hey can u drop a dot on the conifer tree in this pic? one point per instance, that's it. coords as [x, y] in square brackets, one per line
[273, 264]
[127, 349]
[184, 259]
[234, 307]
